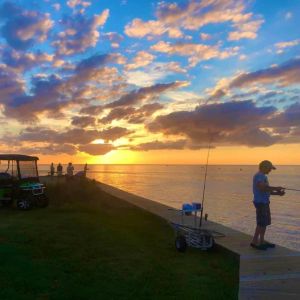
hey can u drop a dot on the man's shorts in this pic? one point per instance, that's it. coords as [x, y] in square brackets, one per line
[263, 214]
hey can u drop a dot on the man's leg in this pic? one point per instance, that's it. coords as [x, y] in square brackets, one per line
[259, 235]
[256, 235]
[262, 234]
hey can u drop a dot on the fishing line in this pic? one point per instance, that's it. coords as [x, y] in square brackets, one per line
[288, 189]
[204, 183]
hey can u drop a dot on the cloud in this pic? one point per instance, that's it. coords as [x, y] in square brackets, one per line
[268, 95]
[246, 30]
[23, 28]
[226, 123]
[44, 140]
[24, 61]
[96, 149]
[132, 98]
[114, 133]
[195, 52]
[80, 33]
[50, 149]
[155, 72]
[157, 145]
[75, 136]
[292, 43]
[11, 85]
[145, 93]
[114, 37]
[90, 79]
[97, 60]
[288, 15]
[74, 3]
[288, 118]
[281, 46]
[131, 114]
[205, 36]
[142, 59]
[56, 6]
[172, 18]
[285, 74]
[84, 121]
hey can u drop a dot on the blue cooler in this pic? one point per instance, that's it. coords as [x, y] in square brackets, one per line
[196, 205]
[187, 208]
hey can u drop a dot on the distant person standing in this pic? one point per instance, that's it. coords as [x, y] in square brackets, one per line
[59, 169]
[52, 170]
[85, 170]
[70, 170]
[261, 192]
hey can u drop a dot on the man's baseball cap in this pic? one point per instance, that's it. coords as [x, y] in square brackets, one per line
[266, 164]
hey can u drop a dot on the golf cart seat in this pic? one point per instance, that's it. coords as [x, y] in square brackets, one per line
[5, 176]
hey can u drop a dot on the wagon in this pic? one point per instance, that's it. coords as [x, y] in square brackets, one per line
[191, 234]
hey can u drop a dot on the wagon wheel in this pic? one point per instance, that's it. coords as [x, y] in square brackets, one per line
[213, 246]
[180, 243]
[24, 203]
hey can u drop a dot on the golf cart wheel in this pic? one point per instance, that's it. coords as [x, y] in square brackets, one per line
[42, 201]
[180, 243]
[7, 203]
[24, 203]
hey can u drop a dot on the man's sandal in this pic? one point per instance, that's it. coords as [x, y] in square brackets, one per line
[269, 245]
[258, 247]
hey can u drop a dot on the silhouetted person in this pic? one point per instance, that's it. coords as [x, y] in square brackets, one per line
[52, 170]
[261, 192]
[59, 169]
[85, 170]
[70, 170]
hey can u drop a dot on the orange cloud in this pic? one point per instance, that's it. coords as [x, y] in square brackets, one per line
[196, 52]
[171, 18]
[142, 59]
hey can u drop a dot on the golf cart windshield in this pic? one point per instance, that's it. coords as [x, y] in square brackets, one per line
[28, 169]
[8, 169]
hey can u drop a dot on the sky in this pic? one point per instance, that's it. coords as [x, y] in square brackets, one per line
[152, 82]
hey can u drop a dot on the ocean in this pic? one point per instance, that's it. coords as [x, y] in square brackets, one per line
[228, 196]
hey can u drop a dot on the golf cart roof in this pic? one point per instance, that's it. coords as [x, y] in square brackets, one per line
[18, 157]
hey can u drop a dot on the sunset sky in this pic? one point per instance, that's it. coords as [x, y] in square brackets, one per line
[151, 81]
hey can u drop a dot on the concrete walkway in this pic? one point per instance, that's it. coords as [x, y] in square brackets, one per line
[272, 274]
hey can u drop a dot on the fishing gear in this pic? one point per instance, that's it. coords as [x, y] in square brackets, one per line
[204, 183]
[288, 189]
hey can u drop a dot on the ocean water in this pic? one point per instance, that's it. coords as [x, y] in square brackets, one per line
[228, 196]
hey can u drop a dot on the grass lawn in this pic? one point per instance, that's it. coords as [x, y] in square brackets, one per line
[90, 245]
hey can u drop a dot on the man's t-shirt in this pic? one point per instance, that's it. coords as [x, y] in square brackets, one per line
[258, 195]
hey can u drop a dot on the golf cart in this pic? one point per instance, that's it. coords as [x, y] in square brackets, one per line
[19, 182]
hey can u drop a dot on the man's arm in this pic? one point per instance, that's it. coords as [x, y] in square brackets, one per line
[273, 190]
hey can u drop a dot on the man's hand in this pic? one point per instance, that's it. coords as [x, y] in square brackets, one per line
[278, 190]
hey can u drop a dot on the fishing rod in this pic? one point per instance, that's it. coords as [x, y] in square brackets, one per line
[204, 183]
[288, 189]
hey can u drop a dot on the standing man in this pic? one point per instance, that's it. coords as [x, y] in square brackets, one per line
[59, 169]
[70, 170]
[261, 199]
[52, 170]
[85, 170]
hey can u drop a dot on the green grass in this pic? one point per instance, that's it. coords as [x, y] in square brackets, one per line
[90, 245]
